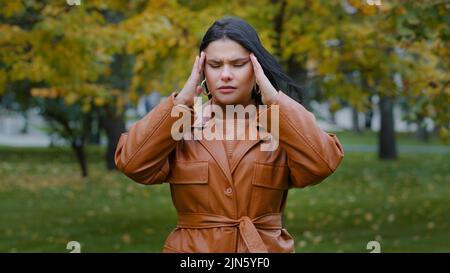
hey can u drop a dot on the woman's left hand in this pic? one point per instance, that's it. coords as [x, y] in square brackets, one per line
[268, 92]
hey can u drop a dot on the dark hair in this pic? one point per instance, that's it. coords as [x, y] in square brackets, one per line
[236, 29]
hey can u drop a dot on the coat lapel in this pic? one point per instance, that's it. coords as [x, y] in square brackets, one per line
[243, 147]
[216, 148]
[217, 151]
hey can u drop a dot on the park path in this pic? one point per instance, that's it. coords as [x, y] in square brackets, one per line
[402, 149]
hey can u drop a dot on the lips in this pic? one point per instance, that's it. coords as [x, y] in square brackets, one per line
[227, 89]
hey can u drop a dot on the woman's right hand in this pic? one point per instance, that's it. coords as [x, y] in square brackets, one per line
[191, 87]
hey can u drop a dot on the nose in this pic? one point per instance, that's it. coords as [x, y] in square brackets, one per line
[226, 74]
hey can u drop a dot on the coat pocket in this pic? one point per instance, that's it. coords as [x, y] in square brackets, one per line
[189, 172]
[189, 185]
[271, 176]
[269, 185]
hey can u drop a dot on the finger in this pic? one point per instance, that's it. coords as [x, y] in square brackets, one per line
[198, 90]
[201, 62]
[256, 65]
[195, 67]
[255, 62]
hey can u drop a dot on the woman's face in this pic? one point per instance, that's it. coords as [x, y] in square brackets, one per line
[228, 64]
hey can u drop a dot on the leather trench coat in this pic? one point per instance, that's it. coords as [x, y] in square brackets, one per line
[222, 205]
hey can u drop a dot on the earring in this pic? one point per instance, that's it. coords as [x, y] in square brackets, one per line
[203, 86]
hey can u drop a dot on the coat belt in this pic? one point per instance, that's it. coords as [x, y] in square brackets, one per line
[248, 228]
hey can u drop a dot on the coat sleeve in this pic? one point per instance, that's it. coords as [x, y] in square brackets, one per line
[143, 153]
[312, 153]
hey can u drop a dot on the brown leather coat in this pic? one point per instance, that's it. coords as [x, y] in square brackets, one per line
[222, 205]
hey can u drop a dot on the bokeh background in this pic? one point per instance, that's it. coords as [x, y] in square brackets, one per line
[75, 74]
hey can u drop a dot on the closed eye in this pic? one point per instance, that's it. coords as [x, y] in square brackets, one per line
[217, 65]
[214, 64]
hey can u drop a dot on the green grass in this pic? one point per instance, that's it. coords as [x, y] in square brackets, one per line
[404, 205]
[371, 138]
[45, 204]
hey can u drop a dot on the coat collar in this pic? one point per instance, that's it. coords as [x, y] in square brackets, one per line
[204, 119]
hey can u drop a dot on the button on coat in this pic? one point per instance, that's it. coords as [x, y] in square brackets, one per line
[229, 205]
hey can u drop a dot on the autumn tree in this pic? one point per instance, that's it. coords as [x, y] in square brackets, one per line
[61, 52]
[95, 59]
[351, 50]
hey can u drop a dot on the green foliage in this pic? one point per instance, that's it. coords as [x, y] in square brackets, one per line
[345, 50]
[45, 204]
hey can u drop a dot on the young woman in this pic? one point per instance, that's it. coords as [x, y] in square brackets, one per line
[229, 193]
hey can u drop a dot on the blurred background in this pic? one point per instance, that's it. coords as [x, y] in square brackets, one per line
[75, 74]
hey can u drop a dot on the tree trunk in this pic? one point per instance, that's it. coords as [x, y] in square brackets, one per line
[278, 24]
[26, 122]
[78, 148]
[387, 148]
[332, 116]
[368, 115]
[422, 133]
[114, 126]
[95, 132]
[77, 141]
[355, 121]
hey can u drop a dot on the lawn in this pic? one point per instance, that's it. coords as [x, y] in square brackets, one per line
[403, 139]
[404, 205]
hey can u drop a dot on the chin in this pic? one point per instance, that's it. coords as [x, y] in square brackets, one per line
[225, 99]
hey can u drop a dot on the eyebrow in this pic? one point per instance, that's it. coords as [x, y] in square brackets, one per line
[232, 60]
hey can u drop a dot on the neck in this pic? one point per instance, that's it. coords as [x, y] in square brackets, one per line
[223, 106]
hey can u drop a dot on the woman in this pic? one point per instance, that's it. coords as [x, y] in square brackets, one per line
[230, 194]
